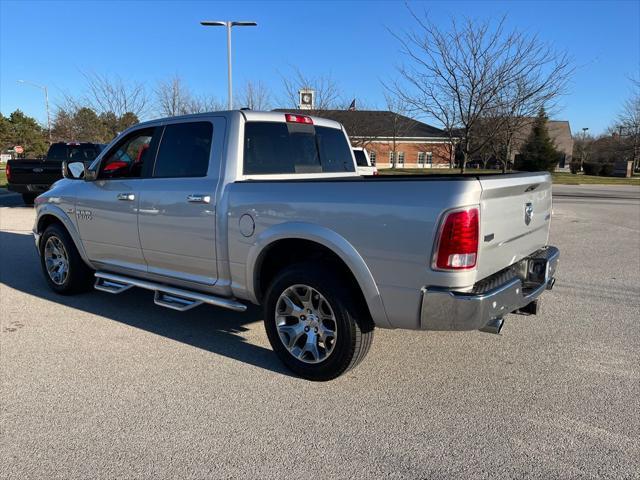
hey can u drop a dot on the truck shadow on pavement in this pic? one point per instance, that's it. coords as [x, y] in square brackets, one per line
[212, 329]
[11, 200]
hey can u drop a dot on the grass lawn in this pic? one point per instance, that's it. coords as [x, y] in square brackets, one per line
[561, 178]
[3, 177]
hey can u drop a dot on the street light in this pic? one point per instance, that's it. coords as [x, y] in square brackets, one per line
[46, 101]
[584, 146]
[210, 23]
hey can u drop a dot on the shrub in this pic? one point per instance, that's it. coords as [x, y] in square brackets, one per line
[591, 168]
[606, 170]
[574, 167]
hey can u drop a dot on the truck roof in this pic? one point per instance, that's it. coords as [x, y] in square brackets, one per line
[249, 115]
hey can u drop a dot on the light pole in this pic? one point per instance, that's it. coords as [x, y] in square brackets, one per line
[584, 146]
[46, 101]
[228, 24]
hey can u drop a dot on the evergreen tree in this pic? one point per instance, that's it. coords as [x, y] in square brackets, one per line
[538, 153]
[88, 127]
[20, 129]
[110, 123]
[126, 120]
[63, 126]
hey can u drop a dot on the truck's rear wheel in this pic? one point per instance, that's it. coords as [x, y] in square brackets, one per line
[29, 198]
[63, 268]
[314, 322]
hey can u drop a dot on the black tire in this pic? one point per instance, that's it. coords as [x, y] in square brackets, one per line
[353, 323]
[29, 198]
[79, 277]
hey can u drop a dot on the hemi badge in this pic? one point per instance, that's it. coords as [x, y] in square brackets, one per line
[488, 238]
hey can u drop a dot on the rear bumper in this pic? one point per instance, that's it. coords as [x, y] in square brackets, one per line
[492, 298]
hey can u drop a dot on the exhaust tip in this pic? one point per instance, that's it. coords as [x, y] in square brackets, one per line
[493, 326]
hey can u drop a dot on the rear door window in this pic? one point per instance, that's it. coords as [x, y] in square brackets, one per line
[288, 148]
[361, 158]
[184, 150]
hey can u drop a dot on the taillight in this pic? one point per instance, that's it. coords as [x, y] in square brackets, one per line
[7, 171]
[298, 118]
[458, 241]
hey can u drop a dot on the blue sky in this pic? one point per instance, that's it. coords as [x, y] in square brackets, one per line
[51, 42]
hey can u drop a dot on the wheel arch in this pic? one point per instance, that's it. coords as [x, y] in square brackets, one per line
[48, 215]
[289, 243]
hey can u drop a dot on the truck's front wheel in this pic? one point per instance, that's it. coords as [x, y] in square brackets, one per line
[63, 268]
[314, 322]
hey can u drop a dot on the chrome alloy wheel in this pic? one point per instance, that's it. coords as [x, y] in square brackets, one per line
[306, 324]
[56, 260]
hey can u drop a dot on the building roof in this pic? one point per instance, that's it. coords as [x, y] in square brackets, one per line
[375, 123]
[559, 131]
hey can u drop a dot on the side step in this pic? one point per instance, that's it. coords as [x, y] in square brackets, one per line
[165, 296]
[110, 286]
[180, 304]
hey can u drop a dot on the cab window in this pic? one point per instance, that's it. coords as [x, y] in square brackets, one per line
[184, 150]
[127, 159]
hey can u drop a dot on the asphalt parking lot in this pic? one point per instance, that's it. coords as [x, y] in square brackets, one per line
[99, 386]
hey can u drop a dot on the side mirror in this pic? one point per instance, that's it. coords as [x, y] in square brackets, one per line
[89, 175]
[73, 170]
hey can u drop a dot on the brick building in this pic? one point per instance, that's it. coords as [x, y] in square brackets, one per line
[385, 134]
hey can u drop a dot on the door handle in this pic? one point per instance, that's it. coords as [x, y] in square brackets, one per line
[127, 197]
[198, 198]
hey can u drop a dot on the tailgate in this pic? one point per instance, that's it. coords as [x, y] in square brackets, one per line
[515, 214]
[35, 172]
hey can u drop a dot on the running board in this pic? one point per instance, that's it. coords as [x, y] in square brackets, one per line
[165, 296]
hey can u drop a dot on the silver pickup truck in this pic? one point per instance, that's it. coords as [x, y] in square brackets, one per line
[263, 207]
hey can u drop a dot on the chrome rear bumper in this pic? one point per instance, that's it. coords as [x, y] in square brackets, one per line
[444, 309]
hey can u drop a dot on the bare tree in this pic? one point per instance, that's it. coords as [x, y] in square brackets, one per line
[172, 97]
[254, 95]
[399, 126]
[327, 93]
[474, 70]
[205, 103]
[629, 123]
[112, 94]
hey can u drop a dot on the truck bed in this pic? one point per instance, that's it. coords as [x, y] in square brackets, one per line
[392, 222]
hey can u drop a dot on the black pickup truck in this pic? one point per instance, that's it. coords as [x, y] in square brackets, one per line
[32, 177]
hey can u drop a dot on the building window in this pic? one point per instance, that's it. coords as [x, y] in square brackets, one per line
[391, 158]
[425, 158]
[401, 159]
[372, 157]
